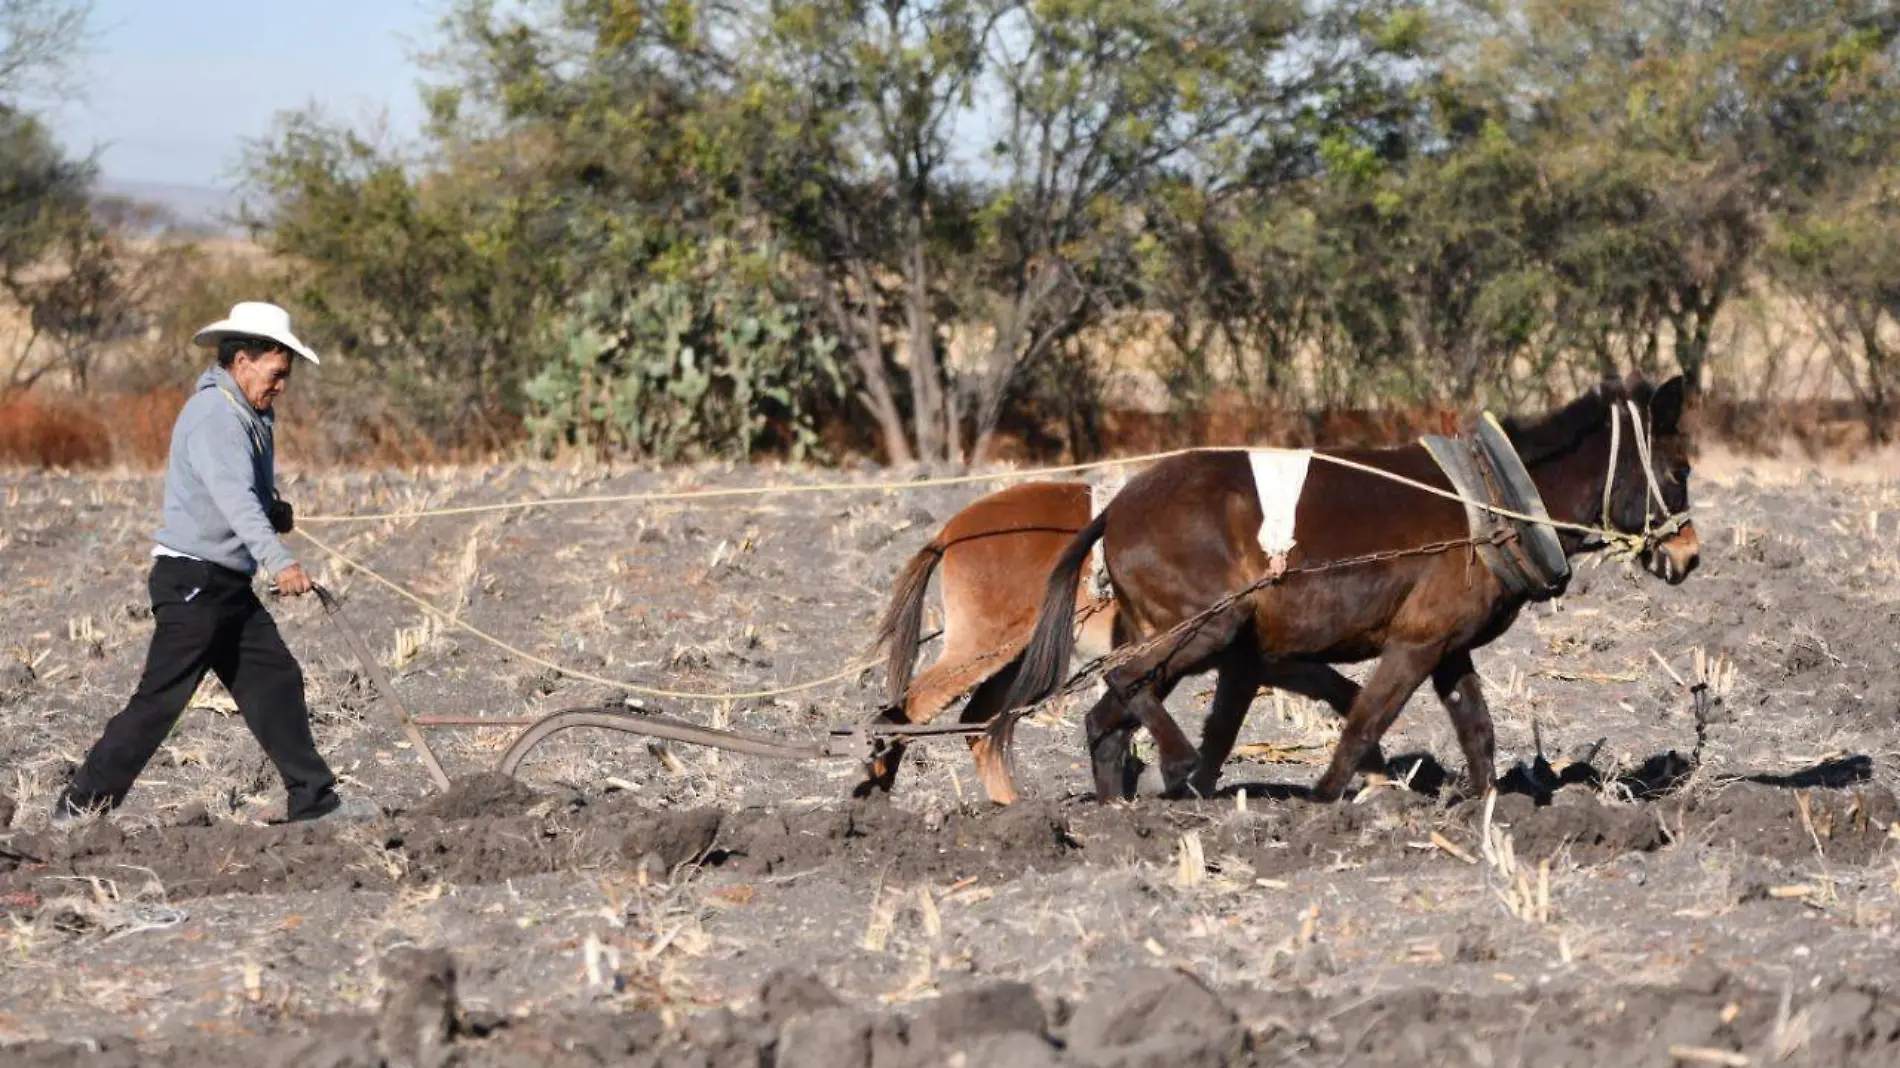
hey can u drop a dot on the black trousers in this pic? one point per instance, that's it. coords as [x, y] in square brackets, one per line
[209, 620]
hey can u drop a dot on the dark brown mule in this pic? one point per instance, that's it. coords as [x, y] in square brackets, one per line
[1181, 536]
[994, 558]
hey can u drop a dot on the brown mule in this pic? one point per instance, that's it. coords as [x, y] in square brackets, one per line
[1181, 536]
[995, 557]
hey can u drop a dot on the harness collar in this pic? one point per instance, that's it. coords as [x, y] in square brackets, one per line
[1488, 473]
[1525, 557]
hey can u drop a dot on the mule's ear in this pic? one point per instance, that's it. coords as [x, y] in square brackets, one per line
[1665, 408]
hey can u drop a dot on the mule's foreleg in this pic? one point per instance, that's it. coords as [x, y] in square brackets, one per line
[1320, 682]
[1399, 673]
[1456, 681]
[1240, 674]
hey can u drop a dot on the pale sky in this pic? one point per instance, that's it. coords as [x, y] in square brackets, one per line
[173, 87]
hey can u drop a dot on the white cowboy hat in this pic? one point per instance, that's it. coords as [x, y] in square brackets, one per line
[253, 318]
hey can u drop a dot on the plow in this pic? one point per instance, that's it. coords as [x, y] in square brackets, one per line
[846, 742]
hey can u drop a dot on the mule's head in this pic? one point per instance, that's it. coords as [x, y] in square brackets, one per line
[1656, 500]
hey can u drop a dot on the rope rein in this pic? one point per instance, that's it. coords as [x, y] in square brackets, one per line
[1605, 532]
[574, 673]
[753, 491]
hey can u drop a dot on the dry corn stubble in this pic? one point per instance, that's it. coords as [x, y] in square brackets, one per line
[1622, 901]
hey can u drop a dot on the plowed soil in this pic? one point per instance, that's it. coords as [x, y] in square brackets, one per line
[1662, 879]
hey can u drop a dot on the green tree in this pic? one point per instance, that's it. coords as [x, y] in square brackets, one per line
[43, 203]
[1107, 104]
[436, 279]
[683, 227]
[40, 188]
[1668, 133]
[1841, 261]
[886, 83]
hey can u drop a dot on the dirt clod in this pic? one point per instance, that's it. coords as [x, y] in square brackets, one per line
[1156, 1017]
[828, 1038]
[956, 1021]
[416, 1026]
[664, 840]
[485, 794]
[194, 814]
[539, 684]
[16, 682]
[1581, 825]
[1017, 1049]
[787, 995]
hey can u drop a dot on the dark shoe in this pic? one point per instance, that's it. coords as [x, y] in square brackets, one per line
[351, 811]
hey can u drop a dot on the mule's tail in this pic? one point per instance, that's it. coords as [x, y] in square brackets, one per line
[1045, 660]
[903, 624]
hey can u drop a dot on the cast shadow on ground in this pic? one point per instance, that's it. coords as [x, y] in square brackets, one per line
[1655, 778]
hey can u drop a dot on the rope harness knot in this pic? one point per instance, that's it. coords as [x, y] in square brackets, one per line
[1616, 544]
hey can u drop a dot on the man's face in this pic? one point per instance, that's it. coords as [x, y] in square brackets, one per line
[262, 377]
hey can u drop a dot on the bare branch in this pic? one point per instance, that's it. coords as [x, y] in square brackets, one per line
[39, 42]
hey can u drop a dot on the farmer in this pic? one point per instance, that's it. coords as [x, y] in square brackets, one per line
[221, 521]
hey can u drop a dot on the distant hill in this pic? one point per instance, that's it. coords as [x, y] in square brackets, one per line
[204, 209]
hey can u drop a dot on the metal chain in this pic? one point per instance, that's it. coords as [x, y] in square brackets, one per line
[1184, 630]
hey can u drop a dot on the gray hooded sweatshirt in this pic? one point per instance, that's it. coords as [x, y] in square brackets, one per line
[221, 476]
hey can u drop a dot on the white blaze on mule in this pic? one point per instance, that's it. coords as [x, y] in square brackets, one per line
[1279, 475]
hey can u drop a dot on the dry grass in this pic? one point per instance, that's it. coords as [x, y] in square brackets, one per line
[746, 589]
[35, 432]
[132, 432]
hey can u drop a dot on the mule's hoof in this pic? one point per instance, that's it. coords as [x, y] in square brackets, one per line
[873, 786]
[1326, 792]
[1001, 792]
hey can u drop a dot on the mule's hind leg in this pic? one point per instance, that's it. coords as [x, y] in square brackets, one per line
[991, 770]
[928, 695]
[1321, 682]
[1137, 692]
[880, 773]
[1108, 728]
[1456, 681]
[1400, 672]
